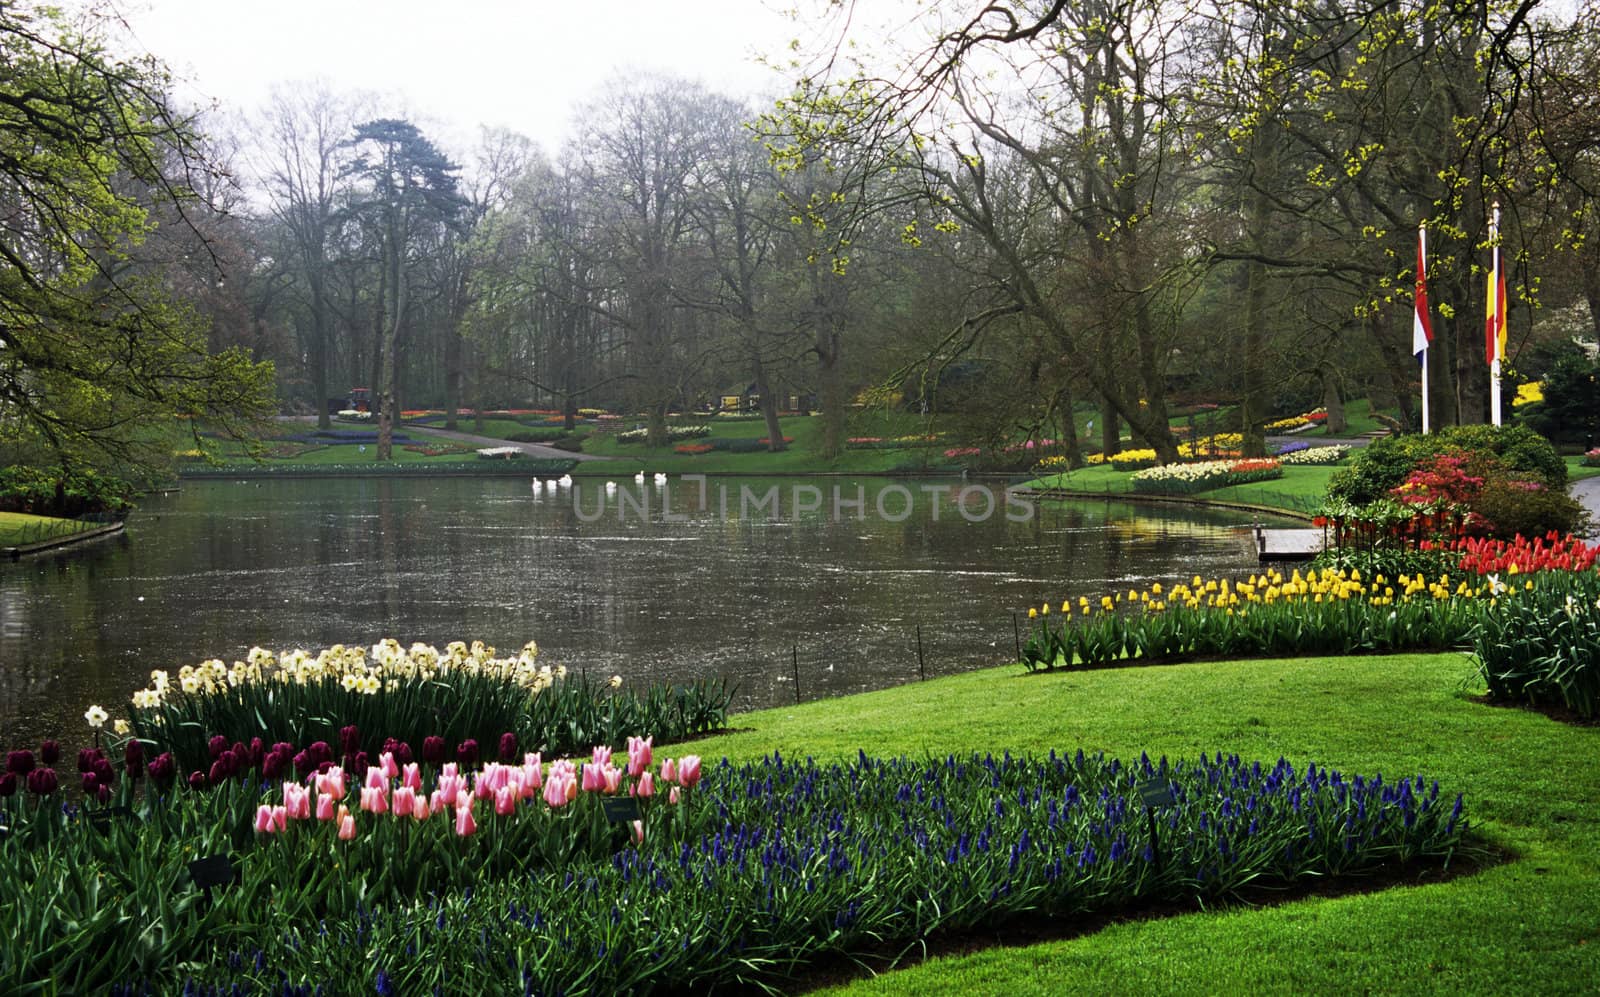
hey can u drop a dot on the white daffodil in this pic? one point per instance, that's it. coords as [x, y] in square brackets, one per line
[96, 716]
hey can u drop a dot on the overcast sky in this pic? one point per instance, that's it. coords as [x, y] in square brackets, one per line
[522, 64]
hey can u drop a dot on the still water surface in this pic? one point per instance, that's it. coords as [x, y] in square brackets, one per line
[220, 566]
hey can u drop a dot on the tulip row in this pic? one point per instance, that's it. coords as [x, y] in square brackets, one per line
[464, 694]
[1186, 479]
[770, 866]
[1321, 612]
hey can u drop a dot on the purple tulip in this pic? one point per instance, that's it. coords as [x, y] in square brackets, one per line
[359, 765]
[508, 747]
[19, 762]
[103, 794]
[133, 759]
[402, 753]
[320, 751]
[164, 769]
[349, 740]
[86, 758]
[390, 746]
[304, 764]
[42, 782]
[272, 766]
[257, 752]
[49, 752]
[197, 780]
[219, 772]
[467, 752]
[89, 783]
[433, 749]
[8, 784]
[217, 745]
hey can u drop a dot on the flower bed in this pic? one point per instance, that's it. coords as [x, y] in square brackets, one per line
[693, 448]
[464, 693]
[674, 434]
[1591, 458]
[1541, 645]
[1313, 456]
[501, 453]
[1189, 479]
[1320, 612]
[754, 872]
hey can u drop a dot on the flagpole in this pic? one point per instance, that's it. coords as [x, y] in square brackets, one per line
[1422, 237]
[1499, 317]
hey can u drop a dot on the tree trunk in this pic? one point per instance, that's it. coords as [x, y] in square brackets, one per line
[1332, 400]
[395, 251]
[769, 406]
[1065, 410]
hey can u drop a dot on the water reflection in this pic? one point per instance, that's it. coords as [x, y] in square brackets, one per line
[220, 566]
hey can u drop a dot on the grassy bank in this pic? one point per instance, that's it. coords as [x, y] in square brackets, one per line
[1527, 925]
[1300, 491]
[19, 528]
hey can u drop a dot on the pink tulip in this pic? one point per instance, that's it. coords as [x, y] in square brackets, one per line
[505, 801]
[689, 770]
[532, 777]
[638, 830]
[331, 782]
[611, 776]
[639, 754]
[347, 828]
[646, 786]
[439, 801]
[375, 779]
[374, 800]
[448, 770]
[419, 809]
[391, 768]
[532, 758]
[593, 781]
[555, 791]
[264, 819]
[465, 825]
[411, 776]
[672, 795]
[280, 818]
[602, 755]
[405, 800]
[669, 771]
[324, 806]
[297, 801]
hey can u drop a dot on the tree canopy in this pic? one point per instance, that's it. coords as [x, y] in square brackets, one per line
[96, 356]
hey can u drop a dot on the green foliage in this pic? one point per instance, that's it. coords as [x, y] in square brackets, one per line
[1570, 411]
[96, 354]
[1541, 645]
[1516, 510]
[1391, 562]
[52, 492]
[758, 870]
[1386, 463]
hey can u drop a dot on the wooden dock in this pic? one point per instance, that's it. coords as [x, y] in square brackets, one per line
[1289, 545]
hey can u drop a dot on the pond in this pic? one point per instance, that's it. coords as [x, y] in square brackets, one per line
[757, 580]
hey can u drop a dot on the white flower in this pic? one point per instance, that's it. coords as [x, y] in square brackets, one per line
[96, 716]
[616, 682]
[121, 727]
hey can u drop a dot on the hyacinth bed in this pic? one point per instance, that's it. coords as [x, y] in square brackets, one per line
[737, 876]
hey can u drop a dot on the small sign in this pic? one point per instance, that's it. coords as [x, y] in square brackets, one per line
[213, 870]
[620, 809]
[1157, 793]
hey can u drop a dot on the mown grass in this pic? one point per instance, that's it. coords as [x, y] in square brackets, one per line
[1577, 470]
[1527, 925]
[1300, 490]
[19, 528]
[803, 455]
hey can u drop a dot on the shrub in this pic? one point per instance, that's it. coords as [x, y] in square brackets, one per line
[1386, 463]
[80, 492]
[1525, 508]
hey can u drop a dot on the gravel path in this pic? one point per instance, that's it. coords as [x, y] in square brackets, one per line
[1587, 492]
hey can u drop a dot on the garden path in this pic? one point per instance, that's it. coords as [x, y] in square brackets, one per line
[1587, 492]
[531, 449]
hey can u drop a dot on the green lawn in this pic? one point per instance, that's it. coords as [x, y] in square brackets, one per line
[1358, 419]
[1528, 925]
[19, 528]
[1300, 490]
[1576, 471]
[801, 457]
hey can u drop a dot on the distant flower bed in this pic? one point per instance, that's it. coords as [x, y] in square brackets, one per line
[674, 434]
[501, 453]
[693, 448]
[1187, 479]
[1314, 455]
[1054, 464]
[1591, 458]
[354, 415]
